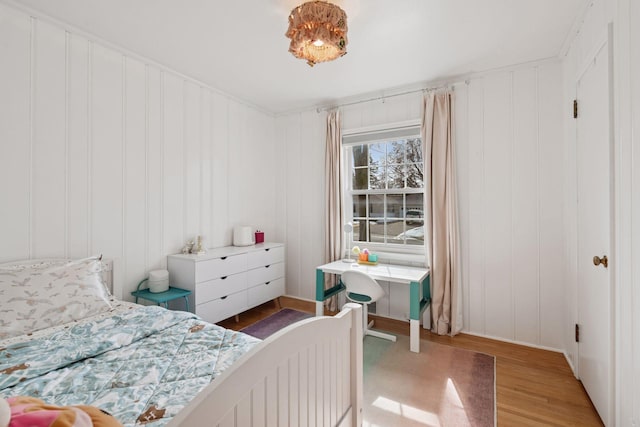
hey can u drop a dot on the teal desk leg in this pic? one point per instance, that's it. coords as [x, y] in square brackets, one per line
[322, 294]
[319, 292]
[186, 301]
[417, 304]
[414, 317]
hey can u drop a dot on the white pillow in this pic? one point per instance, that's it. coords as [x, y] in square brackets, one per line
[38, 296]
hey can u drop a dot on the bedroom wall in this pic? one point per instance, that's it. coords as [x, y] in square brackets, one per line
[102, 151]
[510, 142]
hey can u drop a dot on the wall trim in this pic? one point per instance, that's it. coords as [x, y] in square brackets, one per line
[573, 368]
[575, 29]
[522, 343]
[419, 86]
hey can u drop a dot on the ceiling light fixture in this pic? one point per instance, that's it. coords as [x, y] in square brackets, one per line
[318, 32]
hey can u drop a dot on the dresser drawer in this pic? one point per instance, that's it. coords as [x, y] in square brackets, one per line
[220, 267]
[266, 291]
[265, 274]
[219, 309]
[216, 288]
[265, 257]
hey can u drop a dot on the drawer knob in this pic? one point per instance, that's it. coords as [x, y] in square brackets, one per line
[224, 297]
[223, 258]
[267, 283]
[267, 266]
[267, 250]
[223, 277]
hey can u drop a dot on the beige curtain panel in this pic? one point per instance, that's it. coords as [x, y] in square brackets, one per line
[441, 213]
[333, 249]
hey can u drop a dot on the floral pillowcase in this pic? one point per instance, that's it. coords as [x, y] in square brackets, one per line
[42, 295]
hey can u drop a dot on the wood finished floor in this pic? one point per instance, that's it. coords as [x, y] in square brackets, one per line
[533, 387]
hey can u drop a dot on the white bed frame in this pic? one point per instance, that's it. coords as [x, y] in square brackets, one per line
[308, 374]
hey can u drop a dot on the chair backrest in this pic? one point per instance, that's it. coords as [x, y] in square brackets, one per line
[361, 283]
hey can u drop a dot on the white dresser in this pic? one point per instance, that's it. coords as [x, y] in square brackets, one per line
[227, 281]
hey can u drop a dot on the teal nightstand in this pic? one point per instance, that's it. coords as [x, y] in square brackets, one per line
[162, 297]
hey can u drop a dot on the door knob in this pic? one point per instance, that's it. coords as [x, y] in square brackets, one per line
[604, 261]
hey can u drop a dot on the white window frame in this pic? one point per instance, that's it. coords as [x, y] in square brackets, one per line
[367, 135]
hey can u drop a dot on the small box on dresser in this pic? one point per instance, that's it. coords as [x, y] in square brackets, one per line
[229, 280]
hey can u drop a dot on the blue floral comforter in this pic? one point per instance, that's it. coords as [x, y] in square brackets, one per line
[141, 366]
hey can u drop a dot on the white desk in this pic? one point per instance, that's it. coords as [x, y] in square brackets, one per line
[417, 278]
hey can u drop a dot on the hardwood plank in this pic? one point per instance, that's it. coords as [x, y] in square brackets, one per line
[533, 387]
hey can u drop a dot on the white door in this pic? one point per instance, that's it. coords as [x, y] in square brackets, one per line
[594, 234]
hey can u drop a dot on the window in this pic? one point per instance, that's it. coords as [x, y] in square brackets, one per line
[385, 188]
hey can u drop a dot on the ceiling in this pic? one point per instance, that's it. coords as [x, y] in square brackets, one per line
[239, 47]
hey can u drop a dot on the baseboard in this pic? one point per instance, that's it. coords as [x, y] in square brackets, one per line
[522, 343]
[573, 368]
[300, 299]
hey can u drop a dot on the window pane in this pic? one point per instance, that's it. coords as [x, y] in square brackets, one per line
[360, 179]
[360, 155]
[376, 178]
[360, 230]
[376, 229]
[376, 206]
[359, 206]
[377, 153]
[394, 222]
[395, 177]
[414, 150]
[415, 206]
[360, 218]
[413, 235]
[396, 151]
[415, 175]
[395, 205]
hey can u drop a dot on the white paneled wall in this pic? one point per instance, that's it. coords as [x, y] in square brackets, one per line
[301, 139]
[509, 135]
[509, 157]
[105, 152]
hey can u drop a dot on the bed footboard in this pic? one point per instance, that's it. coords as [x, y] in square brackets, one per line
[308, 374]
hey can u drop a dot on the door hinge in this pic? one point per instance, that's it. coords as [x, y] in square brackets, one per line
[577, 333]
[575, 108]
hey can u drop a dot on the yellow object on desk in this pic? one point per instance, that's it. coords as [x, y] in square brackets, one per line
[367, 262]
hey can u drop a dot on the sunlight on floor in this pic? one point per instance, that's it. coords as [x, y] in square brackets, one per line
[453, 398]
[452, 394]
[404, 411]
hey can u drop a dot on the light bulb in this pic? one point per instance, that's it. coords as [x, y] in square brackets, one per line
[318, 43]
